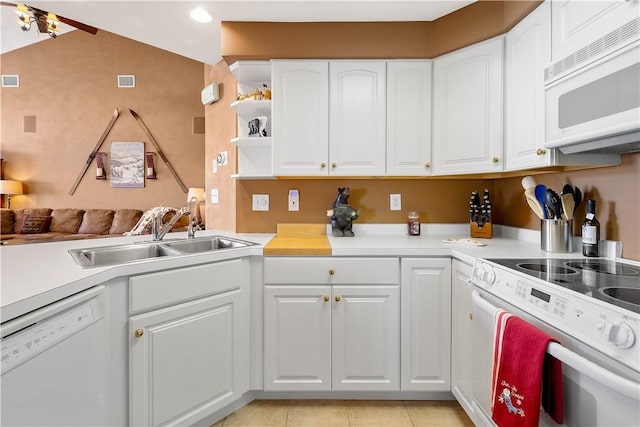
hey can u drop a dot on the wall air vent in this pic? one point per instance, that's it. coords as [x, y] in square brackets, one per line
[10, 80]
[615, 39]
[126, 81]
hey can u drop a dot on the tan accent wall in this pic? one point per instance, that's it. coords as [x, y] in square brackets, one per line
[220, 129]
[616, 191]
[70, 86]
[419, 39]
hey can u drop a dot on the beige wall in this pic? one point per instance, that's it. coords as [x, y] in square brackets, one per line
[69, 85]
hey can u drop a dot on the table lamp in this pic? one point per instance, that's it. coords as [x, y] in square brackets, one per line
[9, 188]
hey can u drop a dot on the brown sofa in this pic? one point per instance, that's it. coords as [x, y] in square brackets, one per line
[37, 225]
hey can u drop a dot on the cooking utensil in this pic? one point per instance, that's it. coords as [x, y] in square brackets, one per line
[535, 206]
[553, 203]
[567, 189]
[529, 182]
[577, 197]
[540, 191]
[568, 205]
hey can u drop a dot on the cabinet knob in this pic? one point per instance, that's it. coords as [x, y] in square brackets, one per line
[332, 272]
[338, 298]
[326, 298]
[470, 316]
[427, 165]
[334, 165]
[323, 165]
[541, 151]
[495, 160]
[138, 333]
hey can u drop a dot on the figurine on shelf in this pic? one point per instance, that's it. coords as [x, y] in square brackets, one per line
[342, 215]
[258, 126]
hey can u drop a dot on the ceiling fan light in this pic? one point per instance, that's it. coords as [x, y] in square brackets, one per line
[22, 12]
[53, 26]
[200, 15]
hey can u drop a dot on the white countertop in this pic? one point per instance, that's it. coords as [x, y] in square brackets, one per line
[34, 275]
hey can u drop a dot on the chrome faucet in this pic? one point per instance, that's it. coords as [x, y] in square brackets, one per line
[191, 229]
[158, 230]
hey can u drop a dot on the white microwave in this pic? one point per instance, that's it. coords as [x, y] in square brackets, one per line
[596, 108]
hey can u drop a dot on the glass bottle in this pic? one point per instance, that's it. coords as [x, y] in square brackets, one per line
[590, 231]
[413, 223]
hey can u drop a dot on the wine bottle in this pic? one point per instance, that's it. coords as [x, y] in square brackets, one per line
[590, 231]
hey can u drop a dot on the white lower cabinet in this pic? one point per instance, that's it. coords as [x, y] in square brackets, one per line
[426, 324]
[325, 330]
[461, 334]
[188, 360]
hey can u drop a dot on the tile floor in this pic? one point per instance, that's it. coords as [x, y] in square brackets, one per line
[347, 413]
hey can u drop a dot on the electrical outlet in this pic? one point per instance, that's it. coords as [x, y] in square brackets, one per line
[214, 196]
[260, 202]
[294, 200]
[222, 158]
[395, 202]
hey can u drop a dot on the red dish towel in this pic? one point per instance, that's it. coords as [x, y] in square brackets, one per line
[521, 369]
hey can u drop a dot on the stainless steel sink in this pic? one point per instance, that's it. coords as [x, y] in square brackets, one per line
[206, 244]
[124, 254]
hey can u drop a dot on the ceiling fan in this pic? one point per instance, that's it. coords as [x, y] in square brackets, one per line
[47, 22]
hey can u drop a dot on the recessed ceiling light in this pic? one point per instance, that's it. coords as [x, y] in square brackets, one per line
[200, 15]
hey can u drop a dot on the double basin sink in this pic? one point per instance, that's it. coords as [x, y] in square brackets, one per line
[139, 251]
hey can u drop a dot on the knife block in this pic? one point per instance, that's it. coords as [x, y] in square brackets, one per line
[484, 232]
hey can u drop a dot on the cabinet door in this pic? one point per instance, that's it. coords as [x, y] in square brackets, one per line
[357, 118]
[528, 51]
[189, 360]
[467, 110]
[408, 118]
[300, 118]
[366, 337]
[461, 335]
[576, 24]
[426, 324]
[297, 338]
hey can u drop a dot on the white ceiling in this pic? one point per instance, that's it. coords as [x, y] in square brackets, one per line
[167, 25]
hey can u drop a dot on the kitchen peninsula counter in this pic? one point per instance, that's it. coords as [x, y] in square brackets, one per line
[35, 275]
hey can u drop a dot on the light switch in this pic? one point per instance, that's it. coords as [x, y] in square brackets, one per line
[395, 201]
[214, 196]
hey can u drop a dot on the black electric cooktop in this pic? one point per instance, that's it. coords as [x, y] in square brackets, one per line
[609, 280]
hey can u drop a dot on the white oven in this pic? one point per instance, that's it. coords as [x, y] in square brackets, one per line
[597, 346]
[597, 107]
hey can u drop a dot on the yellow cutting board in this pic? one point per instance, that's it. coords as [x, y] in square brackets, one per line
[299, 239]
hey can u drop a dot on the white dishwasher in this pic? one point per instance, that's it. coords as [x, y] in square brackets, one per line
[54, 364]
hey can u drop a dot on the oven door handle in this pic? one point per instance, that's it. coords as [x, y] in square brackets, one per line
[615, 382]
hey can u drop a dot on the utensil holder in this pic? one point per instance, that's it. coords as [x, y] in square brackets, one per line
[556, 235]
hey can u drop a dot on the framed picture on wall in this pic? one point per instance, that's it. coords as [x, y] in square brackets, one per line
[127, 164]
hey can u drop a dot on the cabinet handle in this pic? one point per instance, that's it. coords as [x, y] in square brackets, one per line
[326, 298]
[470, 316]
[427, 165]
[138, 333]
[338, 298]
[495, 160]
[541, 151]
[334, 165]
[323, 165]
[332, 272]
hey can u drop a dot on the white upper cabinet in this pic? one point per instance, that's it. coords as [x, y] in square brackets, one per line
[528, 52]
[300, 117]
[467, 109]
[408, 118]
[357, 124]
[575, 23]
